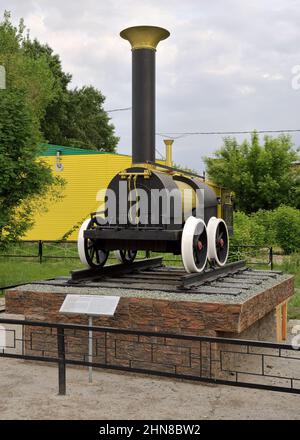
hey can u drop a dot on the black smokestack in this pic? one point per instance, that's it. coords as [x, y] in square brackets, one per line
[143, 105]
[144, 40]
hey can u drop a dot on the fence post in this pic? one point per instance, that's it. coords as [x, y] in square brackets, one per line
[271, 257]
[40, 251]
[61, 361]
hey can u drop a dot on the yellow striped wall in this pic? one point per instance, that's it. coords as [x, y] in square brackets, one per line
[85, 175]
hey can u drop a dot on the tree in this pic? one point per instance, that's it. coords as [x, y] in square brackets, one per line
[261, 176]
[185, 168]
[30, 88]
[37, 103]
[23, 178]
[32, 75]
[55, 118]
[87, 124]
[247, 230]
[278, 227]
[67, 117]
[73, 117]
[287, 228]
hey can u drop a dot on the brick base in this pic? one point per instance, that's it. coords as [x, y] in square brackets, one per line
[250, 319]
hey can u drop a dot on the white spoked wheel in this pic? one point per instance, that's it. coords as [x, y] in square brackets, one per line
[218, 241]
[194, 245]
[89, 254]
[126, 256]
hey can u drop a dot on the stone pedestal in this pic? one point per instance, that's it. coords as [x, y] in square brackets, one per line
[251, 315]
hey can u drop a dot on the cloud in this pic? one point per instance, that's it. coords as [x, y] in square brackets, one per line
[226, 66]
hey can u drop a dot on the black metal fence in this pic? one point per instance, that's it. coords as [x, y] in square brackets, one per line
[45, 250]
[243, 363]
[257, 255]
[42, 250]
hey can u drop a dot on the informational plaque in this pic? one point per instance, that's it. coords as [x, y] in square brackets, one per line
[91, 305]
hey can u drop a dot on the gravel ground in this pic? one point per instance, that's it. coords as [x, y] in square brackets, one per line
[125, 291]
[29, 391]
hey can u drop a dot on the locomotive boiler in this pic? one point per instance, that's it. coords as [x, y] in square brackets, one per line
[153, 206]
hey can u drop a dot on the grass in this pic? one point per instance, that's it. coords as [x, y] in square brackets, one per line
[16, 270]
[20, 270]
[291, 264]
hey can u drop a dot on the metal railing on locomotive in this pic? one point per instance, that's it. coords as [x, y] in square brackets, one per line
[196, 237]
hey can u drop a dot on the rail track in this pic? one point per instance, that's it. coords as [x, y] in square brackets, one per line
[150, 274]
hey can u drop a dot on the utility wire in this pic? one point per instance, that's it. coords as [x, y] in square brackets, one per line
[119, 109]
[178, 135]
[161, 155]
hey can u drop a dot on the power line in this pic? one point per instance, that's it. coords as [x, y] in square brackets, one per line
[119, 109]
[178, 135]
[157, 151]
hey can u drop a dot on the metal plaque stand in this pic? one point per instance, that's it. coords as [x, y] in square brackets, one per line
[90, 305]
[90, 349]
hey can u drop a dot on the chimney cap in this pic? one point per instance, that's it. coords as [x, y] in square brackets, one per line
[144, 37]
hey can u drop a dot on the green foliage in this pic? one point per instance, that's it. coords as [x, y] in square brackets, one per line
[18, 270]
[73, 117]
[185, 168]
[30, 88]
[35, 105]
[280, 227]
[266, 219]
[25, 73]
[261, 176]
[23, 179]
[295, 187]
[67, 117]
[287, 227]
[35, 50]
[74, 228]
[86, 123]
[291, 264]
[55, 118]
[247, 230]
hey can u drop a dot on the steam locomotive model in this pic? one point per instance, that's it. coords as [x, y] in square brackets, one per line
[153, 206]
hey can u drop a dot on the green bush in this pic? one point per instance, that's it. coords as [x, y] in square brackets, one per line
[280, 227]
[287, 228]
[265, 219]
[291, 264]
[247, 230]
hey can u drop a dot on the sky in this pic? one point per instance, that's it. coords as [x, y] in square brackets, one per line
[227, 65]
